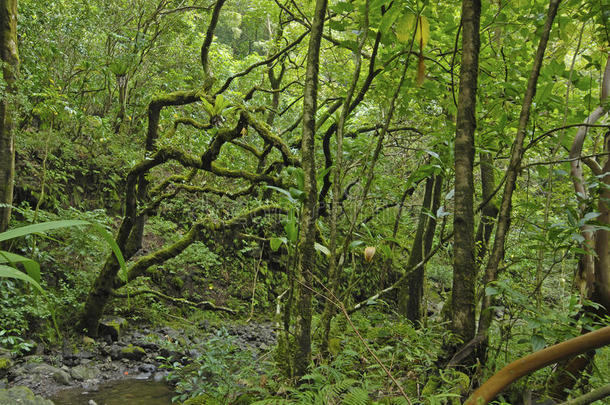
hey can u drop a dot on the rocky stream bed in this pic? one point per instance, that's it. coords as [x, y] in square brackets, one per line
[119, 353]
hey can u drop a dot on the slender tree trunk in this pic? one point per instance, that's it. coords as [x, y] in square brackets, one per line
[489, 212]
[464, 271]
[336, 257]
[411, 290]
[602, 239]
[121, 82]
[497, 253]
[429, 236]
[307, 253]
[9, 56]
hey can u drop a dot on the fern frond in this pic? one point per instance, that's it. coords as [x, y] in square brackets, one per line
[272, 401]
[356, 396]
[399, 401]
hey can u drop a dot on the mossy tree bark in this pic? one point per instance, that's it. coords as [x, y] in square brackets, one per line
[307, 254]
[107, 280]
[9, 56]
[464, 271]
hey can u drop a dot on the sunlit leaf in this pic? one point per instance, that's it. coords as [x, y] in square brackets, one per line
[275, 243]
[322, 249]
[405, 26]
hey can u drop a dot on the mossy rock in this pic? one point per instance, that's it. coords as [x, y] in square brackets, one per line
[5, 364]
[84, 372]
[112, 327]
[21, 396]
[133, 352]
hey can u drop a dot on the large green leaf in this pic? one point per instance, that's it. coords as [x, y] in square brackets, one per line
[291, 229]
[10, 272]
[31, 266]
[285, 192]
[51, 225]
[39, 228]
[115, 249]
[389, 18]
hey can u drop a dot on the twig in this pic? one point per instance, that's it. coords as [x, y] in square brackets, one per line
[258, 266]
[564, 160]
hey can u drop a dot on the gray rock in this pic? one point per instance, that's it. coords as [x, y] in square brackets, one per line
[83, 372]
[21, 396]
[147, 368]
[149, 346]
[62, 377]
[133, 353]
[46, 370]
[85, 354]
[160, 376]
[115, 352]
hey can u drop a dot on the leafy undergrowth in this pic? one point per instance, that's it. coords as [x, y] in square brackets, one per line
[225, 374]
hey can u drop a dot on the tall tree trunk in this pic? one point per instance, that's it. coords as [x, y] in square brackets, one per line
[10, 68]
[464, 271]
[497, 253]
[121, 82]
[307, 253]
[489, 212]
[334, 265]
[411, 289]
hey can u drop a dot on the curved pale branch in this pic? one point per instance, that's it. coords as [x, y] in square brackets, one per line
[536, 361]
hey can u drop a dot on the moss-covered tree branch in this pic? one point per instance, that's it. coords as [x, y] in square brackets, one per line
[207, 305]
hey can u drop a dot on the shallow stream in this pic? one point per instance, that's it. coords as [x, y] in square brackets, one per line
[121, 392]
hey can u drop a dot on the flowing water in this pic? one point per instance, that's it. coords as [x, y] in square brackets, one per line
[121, 392]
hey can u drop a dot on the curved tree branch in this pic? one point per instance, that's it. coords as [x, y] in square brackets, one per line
[536, 361]
[209, 37]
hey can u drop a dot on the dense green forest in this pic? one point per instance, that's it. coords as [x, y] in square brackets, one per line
[316, 202]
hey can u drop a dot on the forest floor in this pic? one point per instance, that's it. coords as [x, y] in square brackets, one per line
[140, 353]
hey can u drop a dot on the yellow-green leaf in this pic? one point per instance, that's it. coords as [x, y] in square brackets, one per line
[405, 26]
[423, 32]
